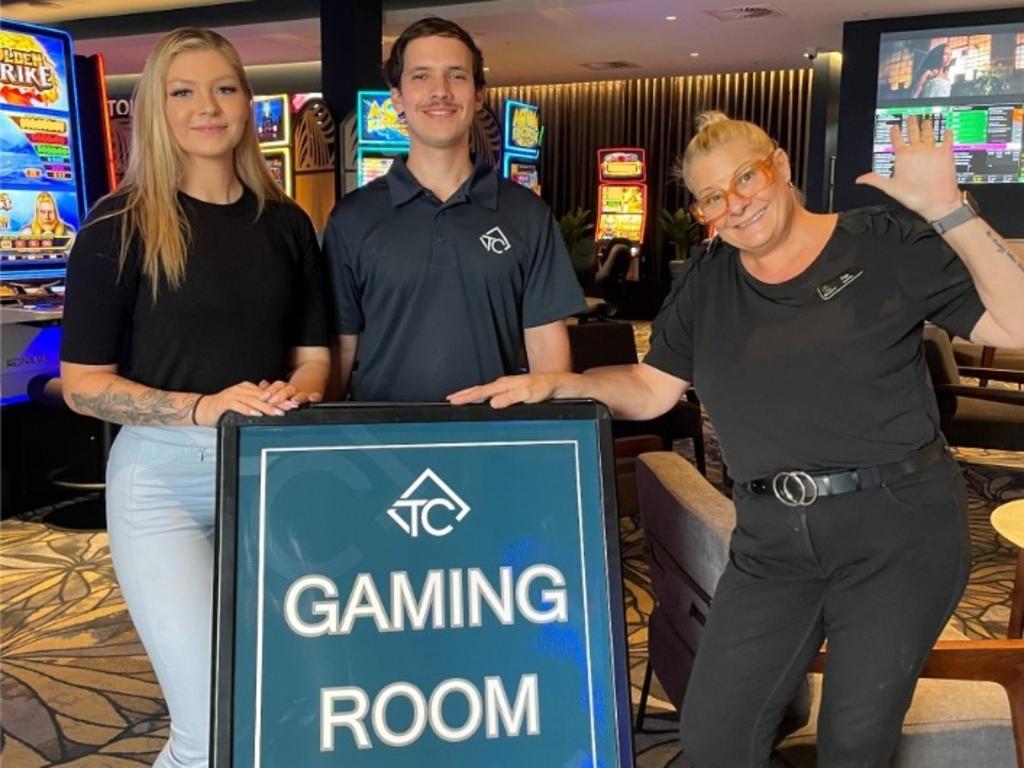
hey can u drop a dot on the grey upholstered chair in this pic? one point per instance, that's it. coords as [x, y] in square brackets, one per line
[968, 713]
[974, 416]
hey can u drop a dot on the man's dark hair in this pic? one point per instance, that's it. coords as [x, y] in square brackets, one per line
[431, 26]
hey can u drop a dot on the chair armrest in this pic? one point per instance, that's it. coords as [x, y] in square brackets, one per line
[996, 661]
[1008, 396]
[686, 515]
[993, 374]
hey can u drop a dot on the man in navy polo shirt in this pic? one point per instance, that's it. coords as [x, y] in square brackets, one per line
[442, 271]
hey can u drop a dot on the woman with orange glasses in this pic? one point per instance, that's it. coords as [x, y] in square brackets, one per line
[802, 332]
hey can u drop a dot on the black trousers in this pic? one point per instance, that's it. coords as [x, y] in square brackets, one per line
[876, 572]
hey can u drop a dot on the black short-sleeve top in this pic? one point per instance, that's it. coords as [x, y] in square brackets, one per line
[826, 370]
[254, 288]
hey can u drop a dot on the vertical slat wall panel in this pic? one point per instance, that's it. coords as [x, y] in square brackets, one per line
[656, 114]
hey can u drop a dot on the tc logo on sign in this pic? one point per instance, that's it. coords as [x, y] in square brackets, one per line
[494, 240]
[413, 509]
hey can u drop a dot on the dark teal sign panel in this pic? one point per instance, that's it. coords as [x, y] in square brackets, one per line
[422, 593]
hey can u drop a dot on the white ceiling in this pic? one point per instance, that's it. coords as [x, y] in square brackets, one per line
[547, 41]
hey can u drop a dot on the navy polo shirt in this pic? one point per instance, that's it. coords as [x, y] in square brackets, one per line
[439, 293]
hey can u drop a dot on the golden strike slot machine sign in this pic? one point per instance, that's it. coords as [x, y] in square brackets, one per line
[621, 194]
[40, 169]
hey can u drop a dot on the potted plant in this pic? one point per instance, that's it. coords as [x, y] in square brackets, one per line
[575, 226]
[682, 230]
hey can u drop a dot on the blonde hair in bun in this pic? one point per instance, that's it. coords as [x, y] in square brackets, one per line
[715, 129]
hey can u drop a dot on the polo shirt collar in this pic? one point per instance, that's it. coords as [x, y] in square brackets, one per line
[481, 187]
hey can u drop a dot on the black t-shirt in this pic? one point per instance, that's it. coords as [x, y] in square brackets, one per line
[439, 293]
[253, 289]
[795, 380]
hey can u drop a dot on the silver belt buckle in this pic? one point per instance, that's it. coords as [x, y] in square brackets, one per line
[795, 489]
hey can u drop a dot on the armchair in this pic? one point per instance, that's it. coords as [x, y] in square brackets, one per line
[974, 416]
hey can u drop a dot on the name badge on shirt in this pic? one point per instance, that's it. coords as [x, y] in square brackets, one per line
[830, 288]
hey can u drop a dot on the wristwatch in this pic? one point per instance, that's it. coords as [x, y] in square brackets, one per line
[968, 210]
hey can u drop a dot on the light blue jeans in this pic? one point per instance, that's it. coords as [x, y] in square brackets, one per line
[160, 515]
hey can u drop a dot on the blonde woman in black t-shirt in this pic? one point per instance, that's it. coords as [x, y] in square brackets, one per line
[802, 332]
[193, 290]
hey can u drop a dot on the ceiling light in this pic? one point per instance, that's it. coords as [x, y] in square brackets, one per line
[670, 18]
[487, 69]
[694, 55]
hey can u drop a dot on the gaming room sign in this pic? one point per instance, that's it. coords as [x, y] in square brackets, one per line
[411, 586]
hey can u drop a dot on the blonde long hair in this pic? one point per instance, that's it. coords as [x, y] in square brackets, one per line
[149, 189]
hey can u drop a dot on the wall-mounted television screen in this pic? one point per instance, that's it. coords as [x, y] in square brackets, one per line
[968, 79]
[965, 70]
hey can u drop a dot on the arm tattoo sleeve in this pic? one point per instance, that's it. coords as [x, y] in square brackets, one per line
[151, 406]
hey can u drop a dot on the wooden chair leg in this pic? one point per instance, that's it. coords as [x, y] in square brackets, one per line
[645, 691]
[698, 454]
[988, 356]
[1016, 627]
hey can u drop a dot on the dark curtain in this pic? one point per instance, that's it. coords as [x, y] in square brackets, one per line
[656, 114]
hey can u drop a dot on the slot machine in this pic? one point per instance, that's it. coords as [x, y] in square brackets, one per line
[622, 203]
[42, 197]
[521, 145]
[374, 135]
[272, 117]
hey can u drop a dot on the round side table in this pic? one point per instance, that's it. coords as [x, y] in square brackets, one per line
[1008, 520]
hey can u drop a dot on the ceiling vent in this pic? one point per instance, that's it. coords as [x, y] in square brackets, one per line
[745, 12]
[598, 66]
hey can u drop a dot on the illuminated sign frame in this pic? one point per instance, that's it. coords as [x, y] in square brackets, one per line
[286, 118]
[509, 148]
[74, 130]
[289, 173]
[362, 138]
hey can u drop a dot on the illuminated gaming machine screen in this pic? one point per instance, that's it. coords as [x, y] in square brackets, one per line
[967, 79]
[39, 171]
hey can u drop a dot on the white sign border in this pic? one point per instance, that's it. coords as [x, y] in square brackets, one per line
[264, 454]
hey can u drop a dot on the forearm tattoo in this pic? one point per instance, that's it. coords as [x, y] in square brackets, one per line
[999, 246]
[152, 406]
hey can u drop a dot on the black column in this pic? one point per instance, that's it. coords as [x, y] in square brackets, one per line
[350, 59]
[824, 129]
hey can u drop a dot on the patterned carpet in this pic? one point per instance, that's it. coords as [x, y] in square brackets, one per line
[77, 689]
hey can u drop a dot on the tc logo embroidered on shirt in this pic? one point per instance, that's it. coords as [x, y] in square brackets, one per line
[831, 287]
[494, 240]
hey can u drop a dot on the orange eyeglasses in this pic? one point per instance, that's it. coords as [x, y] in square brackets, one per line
[747, 182]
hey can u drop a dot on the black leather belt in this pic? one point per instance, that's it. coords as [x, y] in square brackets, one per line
[796, 488]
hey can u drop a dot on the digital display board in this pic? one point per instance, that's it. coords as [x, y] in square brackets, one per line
[279, 163]
[370, 167]
[967, 79]
[272, 117]
[378, 122]
[522, 128]
[524, 174]
[40, 166]
[615, 164]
